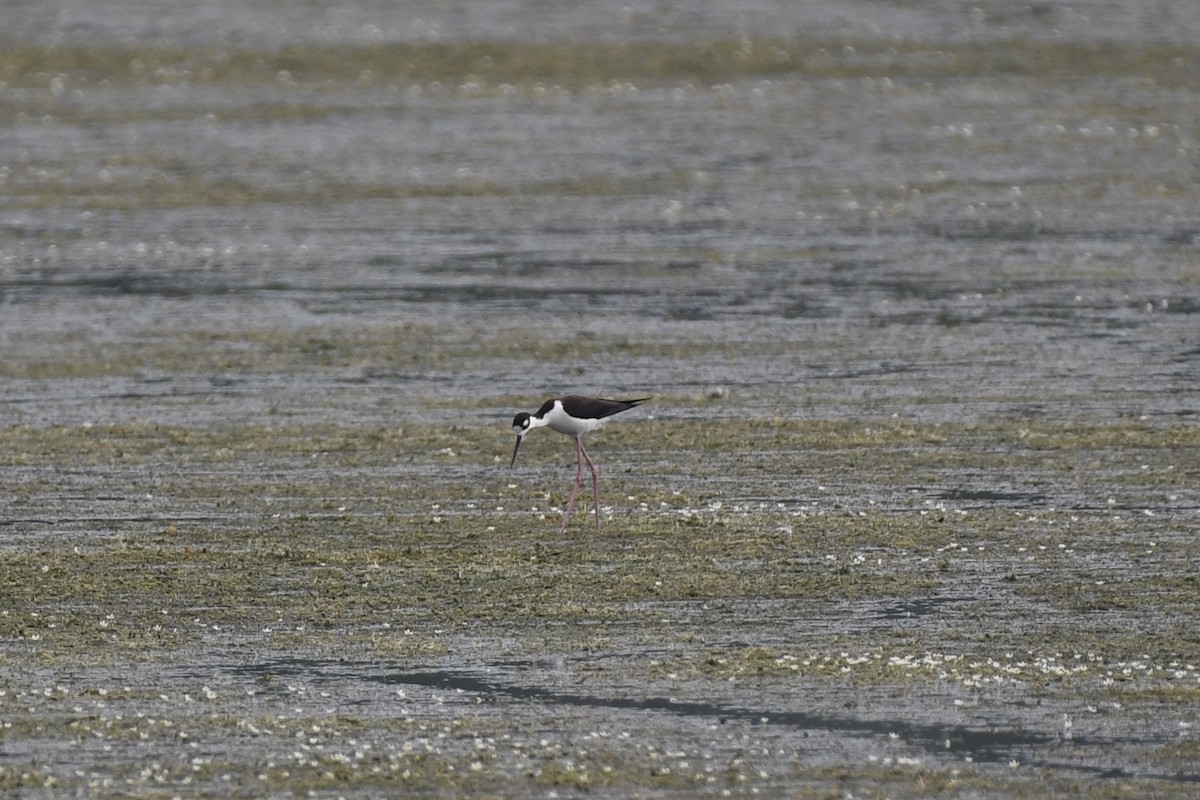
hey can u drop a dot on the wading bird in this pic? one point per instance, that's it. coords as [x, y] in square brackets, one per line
[573, 415]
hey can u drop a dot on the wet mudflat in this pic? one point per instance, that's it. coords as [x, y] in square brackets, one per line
[912, 513]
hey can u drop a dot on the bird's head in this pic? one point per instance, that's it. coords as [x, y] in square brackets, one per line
[521, 424]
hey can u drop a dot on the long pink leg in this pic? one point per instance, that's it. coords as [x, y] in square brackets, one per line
[578, 483]
[595, 482]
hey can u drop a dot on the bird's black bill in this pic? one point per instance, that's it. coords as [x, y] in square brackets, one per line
[514, 458]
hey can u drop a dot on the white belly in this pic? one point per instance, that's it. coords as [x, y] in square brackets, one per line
[559, 420]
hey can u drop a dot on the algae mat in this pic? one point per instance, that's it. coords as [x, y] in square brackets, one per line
[279, 610]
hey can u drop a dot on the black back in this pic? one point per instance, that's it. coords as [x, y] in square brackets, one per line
[582, 407]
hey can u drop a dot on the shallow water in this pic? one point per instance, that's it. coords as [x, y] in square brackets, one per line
[916, 290]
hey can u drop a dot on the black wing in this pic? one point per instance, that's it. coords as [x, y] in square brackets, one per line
[592, 407]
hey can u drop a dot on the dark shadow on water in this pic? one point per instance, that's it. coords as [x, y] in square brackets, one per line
[990, 497]
[918, 607]
[991, 746]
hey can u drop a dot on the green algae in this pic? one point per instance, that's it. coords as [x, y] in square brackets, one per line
[953, 445]
[269, 544]
[576, 64]
[403, 571]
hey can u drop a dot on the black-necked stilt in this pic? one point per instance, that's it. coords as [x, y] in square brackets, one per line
[573, 415]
